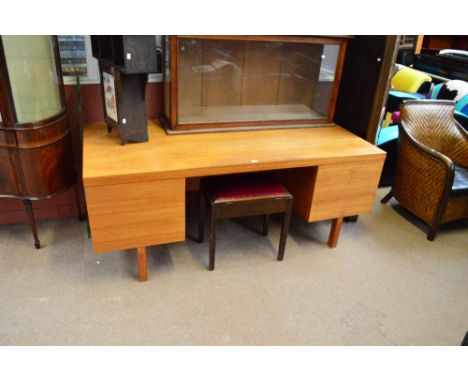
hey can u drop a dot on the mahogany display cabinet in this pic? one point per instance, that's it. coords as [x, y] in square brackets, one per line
[36, 160]
[237, 82]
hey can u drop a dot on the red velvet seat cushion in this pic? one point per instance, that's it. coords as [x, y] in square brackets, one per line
[243, 186]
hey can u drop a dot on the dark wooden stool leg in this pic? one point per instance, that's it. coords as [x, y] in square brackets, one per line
[32, 221]
[284, 231]
[387, 197]
[266, 222]
[201, 219]
[213, 219]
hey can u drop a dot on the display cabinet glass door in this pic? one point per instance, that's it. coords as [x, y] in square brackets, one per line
[33, 77]
[236, 81]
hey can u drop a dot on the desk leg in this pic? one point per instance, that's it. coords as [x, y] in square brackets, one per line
[142, 267]
[335, 232]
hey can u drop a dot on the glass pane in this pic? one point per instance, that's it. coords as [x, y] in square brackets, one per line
[234, 81]
[33, 77]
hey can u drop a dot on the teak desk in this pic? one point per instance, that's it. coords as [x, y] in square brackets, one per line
[136, 193]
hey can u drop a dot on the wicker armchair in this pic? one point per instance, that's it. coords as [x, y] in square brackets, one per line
[431, 177]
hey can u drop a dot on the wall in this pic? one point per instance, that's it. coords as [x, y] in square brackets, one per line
[12, 211]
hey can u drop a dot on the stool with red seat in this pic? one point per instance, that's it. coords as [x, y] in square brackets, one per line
[242, 195]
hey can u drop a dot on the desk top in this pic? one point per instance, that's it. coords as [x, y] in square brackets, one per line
[106, 161]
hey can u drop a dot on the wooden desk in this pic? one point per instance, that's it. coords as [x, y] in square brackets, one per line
[136, 193]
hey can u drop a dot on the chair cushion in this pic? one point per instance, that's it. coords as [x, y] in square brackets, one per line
[243, 186]
[460, 181]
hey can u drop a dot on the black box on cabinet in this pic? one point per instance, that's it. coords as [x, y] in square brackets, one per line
[130, 54]
[124, 100]
[124, 63]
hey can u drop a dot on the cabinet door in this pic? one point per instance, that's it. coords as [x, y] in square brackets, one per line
[364, 83]
[8, 179]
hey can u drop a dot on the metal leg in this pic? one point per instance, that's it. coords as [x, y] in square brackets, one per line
[201, 218]
[212, 238]
[266, 222]
[387, 197]
[29, 211]
[284, 231]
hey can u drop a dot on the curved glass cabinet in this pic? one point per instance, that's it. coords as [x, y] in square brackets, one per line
[36, 159]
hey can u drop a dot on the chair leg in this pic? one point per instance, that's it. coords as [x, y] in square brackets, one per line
[213, 219]
[432, 231]
[266, 223]
[284, 231]
[201, 219]
[387, 197]
[32, 221]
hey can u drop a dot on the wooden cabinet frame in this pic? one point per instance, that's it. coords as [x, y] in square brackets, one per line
[171, 120]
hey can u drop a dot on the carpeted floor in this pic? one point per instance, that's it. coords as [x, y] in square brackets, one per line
[385, 284]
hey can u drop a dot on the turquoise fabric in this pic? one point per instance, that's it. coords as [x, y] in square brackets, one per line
[435, 91]
[462, 105]
[387, 134]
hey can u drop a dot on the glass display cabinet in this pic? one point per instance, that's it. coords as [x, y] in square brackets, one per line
[218, 82]
[36, 159]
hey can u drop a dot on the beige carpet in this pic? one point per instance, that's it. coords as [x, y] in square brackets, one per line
[385, 284]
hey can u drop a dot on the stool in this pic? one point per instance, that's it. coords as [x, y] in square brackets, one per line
[243, 195]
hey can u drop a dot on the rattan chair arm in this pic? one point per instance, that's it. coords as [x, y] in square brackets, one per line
[462, 130]
[444, 159]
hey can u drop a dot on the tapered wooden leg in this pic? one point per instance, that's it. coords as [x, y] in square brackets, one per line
[142, 266]
[284, 232]
[335, 232]
[213, 219]
[32, 221]
[201, 219]
[266, 222]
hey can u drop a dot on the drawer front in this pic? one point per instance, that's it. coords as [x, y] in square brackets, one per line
[345, 189]
[132, 215]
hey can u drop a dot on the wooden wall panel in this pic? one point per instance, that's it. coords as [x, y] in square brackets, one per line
[300, 184]
[136, 214]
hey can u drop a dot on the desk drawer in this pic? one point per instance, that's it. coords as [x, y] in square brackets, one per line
[335, 190]
[345, 189]
[132, 215]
